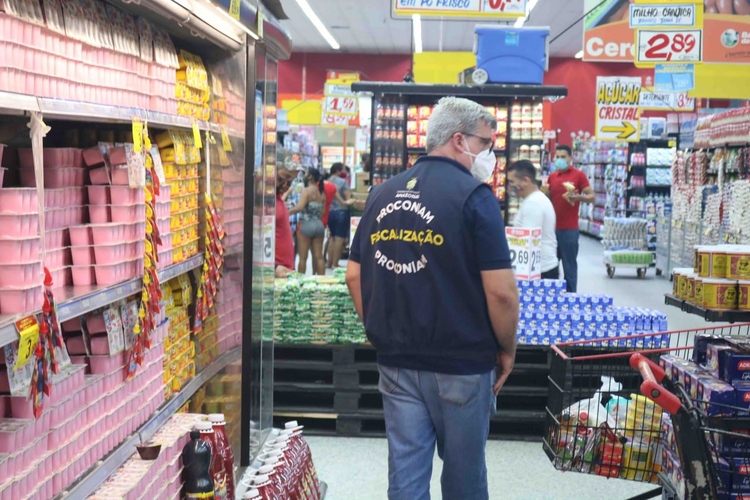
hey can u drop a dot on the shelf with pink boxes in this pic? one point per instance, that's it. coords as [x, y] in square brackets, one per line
[64, 109]
[91, 480]
[75, 301]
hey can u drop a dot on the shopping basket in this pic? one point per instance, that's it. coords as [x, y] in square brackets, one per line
[598, 422]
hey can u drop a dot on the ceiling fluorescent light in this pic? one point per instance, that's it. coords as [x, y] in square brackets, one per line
[416, 20]
[579, 54]
[529, 7]
[318, 24]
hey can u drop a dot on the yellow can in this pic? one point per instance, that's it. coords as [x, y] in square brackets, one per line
[690, 287]
[738, 263]
[719, 262]
[702, 260]
[698, 291]
[743, 298]
[719, 294]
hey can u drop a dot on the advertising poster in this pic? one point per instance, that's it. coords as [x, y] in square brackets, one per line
[607, 35]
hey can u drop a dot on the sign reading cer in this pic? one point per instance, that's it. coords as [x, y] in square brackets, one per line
[617, 108]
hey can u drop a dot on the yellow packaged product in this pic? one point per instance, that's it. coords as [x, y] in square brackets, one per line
[690, 287]
[636, 461]
[738, 263]
[719, 294]
[719, 261]
[163, 140]
[698, 291]
[701, 259]
[743, 298]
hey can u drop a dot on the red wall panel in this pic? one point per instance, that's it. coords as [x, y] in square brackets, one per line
[373, 68]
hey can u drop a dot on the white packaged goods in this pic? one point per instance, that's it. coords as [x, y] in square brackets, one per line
[622, 233]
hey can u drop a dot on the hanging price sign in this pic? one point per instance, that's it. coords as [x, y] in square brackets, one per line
[28, 330]
[329, 120]
[659, 46]
[525, 246]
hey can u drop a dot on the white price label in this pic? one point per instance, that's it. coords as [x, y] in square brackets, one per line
[524, 257]
[329, 120]
[659, 46]
[339, 105]
[525, 251]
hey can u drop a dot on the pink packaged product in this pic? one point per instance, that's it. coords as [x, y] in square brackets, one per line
[21, 275]
[83, 256]
[164, 195]
[117, 156]
[83, 275]
[110, 274]
[62, 198]
[104, 234]
[53, 158]
[19, 250]
[101, 365]
[100, 345]
[93, 157]
[61, 277]
[20, 300]
[95, 323]
[123, 195]
[58, 218]
[98, 195]
[118, 252]
[80, 236]
[19, 226]
[54, 177]
[100, 214]
[76, 346]
[57, 238]
[128, 213]
[18, 201]
[120, 176]
[163, 209]
[99, 176]
[57, 258]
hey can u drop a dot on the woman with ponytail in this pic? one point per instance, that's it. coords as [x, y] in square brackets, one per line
[311, 231]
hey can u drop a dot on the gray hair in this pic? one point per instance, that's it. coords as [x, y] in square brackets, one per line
[455, 115]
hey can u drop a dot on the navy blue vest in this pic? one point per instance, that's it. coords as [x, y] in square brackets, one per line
[425, 307]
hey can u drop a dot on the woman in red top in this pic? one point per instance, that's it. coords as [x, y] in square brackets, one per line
[284, 258]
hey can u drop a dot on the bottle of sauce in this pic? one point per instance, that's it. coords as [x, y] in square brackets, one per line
[267, 489]
[218, 474]
[224, 449]
[196, 461]
[276, 480]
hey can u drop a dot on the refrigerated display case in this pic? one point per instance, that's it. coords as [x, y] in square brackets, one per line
[400, 113]
[152, 104]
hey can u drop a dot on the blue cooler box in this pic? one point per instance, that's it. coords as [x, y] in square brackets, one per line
[512, 55]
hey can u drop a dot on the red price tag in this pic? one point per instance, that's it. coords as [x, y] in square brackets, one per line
[335, 120]
[670, 46]
[684, 101]
[505, 5]
[341, 105]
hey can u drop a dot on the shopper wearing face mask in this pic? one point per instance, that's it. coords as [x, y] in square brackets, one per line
[430, 274]
[567, 188]
[535, 211]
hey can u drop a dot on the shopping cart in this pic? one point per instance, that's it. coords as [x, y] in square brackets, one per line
[598, 421]
[627, 241]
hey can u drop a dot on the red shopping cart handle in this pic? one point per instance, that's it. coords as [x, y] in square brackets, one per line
[653, 374]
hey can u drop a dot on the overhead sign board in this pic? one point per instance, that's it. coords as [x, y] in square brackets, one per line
[674, 77]
[618, 108]
[477, 9]
[662, 16]
[666, 101]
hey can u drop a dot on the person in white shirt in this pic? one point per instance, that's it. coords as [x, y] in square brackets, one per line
[535, 211]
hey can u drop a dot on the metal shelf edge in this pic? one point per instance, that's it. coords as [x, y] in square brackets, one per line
[125, 450]
[77, 306]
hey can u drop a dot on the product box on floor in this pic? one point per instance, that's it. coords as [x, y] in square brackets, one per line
[550, 315]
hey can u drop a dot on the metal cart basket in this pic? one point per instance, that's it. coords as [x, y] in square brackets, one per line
[598, 422]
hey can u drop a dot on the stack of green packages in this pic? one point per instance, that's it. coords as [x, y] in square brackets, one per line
[315, 309]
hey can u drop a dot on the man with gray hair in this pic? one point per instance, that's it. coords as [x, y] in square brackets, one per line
[430, 275]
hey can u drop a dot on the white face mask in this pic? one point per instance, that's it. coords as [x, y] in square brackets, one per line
[483, 164]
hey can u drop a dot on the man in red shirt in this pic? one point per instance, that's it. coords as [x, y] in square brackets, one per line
[567, 188]
[284, 259]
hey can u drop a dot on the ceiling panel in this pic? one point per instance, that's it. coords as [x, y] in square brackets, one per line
[365, 26]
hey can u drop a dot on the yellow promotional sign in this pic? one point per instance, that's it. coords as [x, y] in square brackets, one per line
[473, 9]
[618, 108]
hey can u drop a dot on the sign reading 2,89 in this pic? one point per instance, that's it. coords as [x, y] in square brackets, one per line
[665, 46]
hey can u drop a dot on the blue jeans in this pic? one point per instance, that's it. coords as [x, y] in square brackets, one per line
[567, 251]
[423, 409]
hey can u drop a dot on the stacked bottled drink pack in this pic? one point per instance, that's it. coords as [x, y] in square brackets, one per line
[287, 473]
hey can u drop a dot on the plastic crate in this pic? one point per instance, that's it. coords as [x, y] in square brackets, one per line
[512, 55]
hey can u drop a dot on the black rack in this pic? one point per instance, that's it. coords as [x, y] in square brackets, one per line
[402, 95]
[712, 315]
[333, 390]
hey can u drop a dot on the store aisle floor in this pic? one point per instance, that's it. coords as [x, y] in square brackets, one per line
[357, 469]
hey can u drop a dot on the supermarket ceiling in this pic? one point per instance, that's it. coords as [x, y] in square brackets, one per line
[365, 26]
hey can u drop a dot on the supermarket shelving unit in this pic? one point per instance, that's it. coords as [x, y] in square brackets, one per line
[201, 31]
[425, 94]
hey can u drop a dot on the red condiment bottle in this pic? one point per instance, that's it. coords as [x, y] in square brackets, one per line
[217, 465]
[224, 449]
[252, 494]
[268, 490]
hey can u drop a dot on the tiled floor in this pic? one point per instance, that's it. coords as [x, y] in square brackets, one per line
[356, 469]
